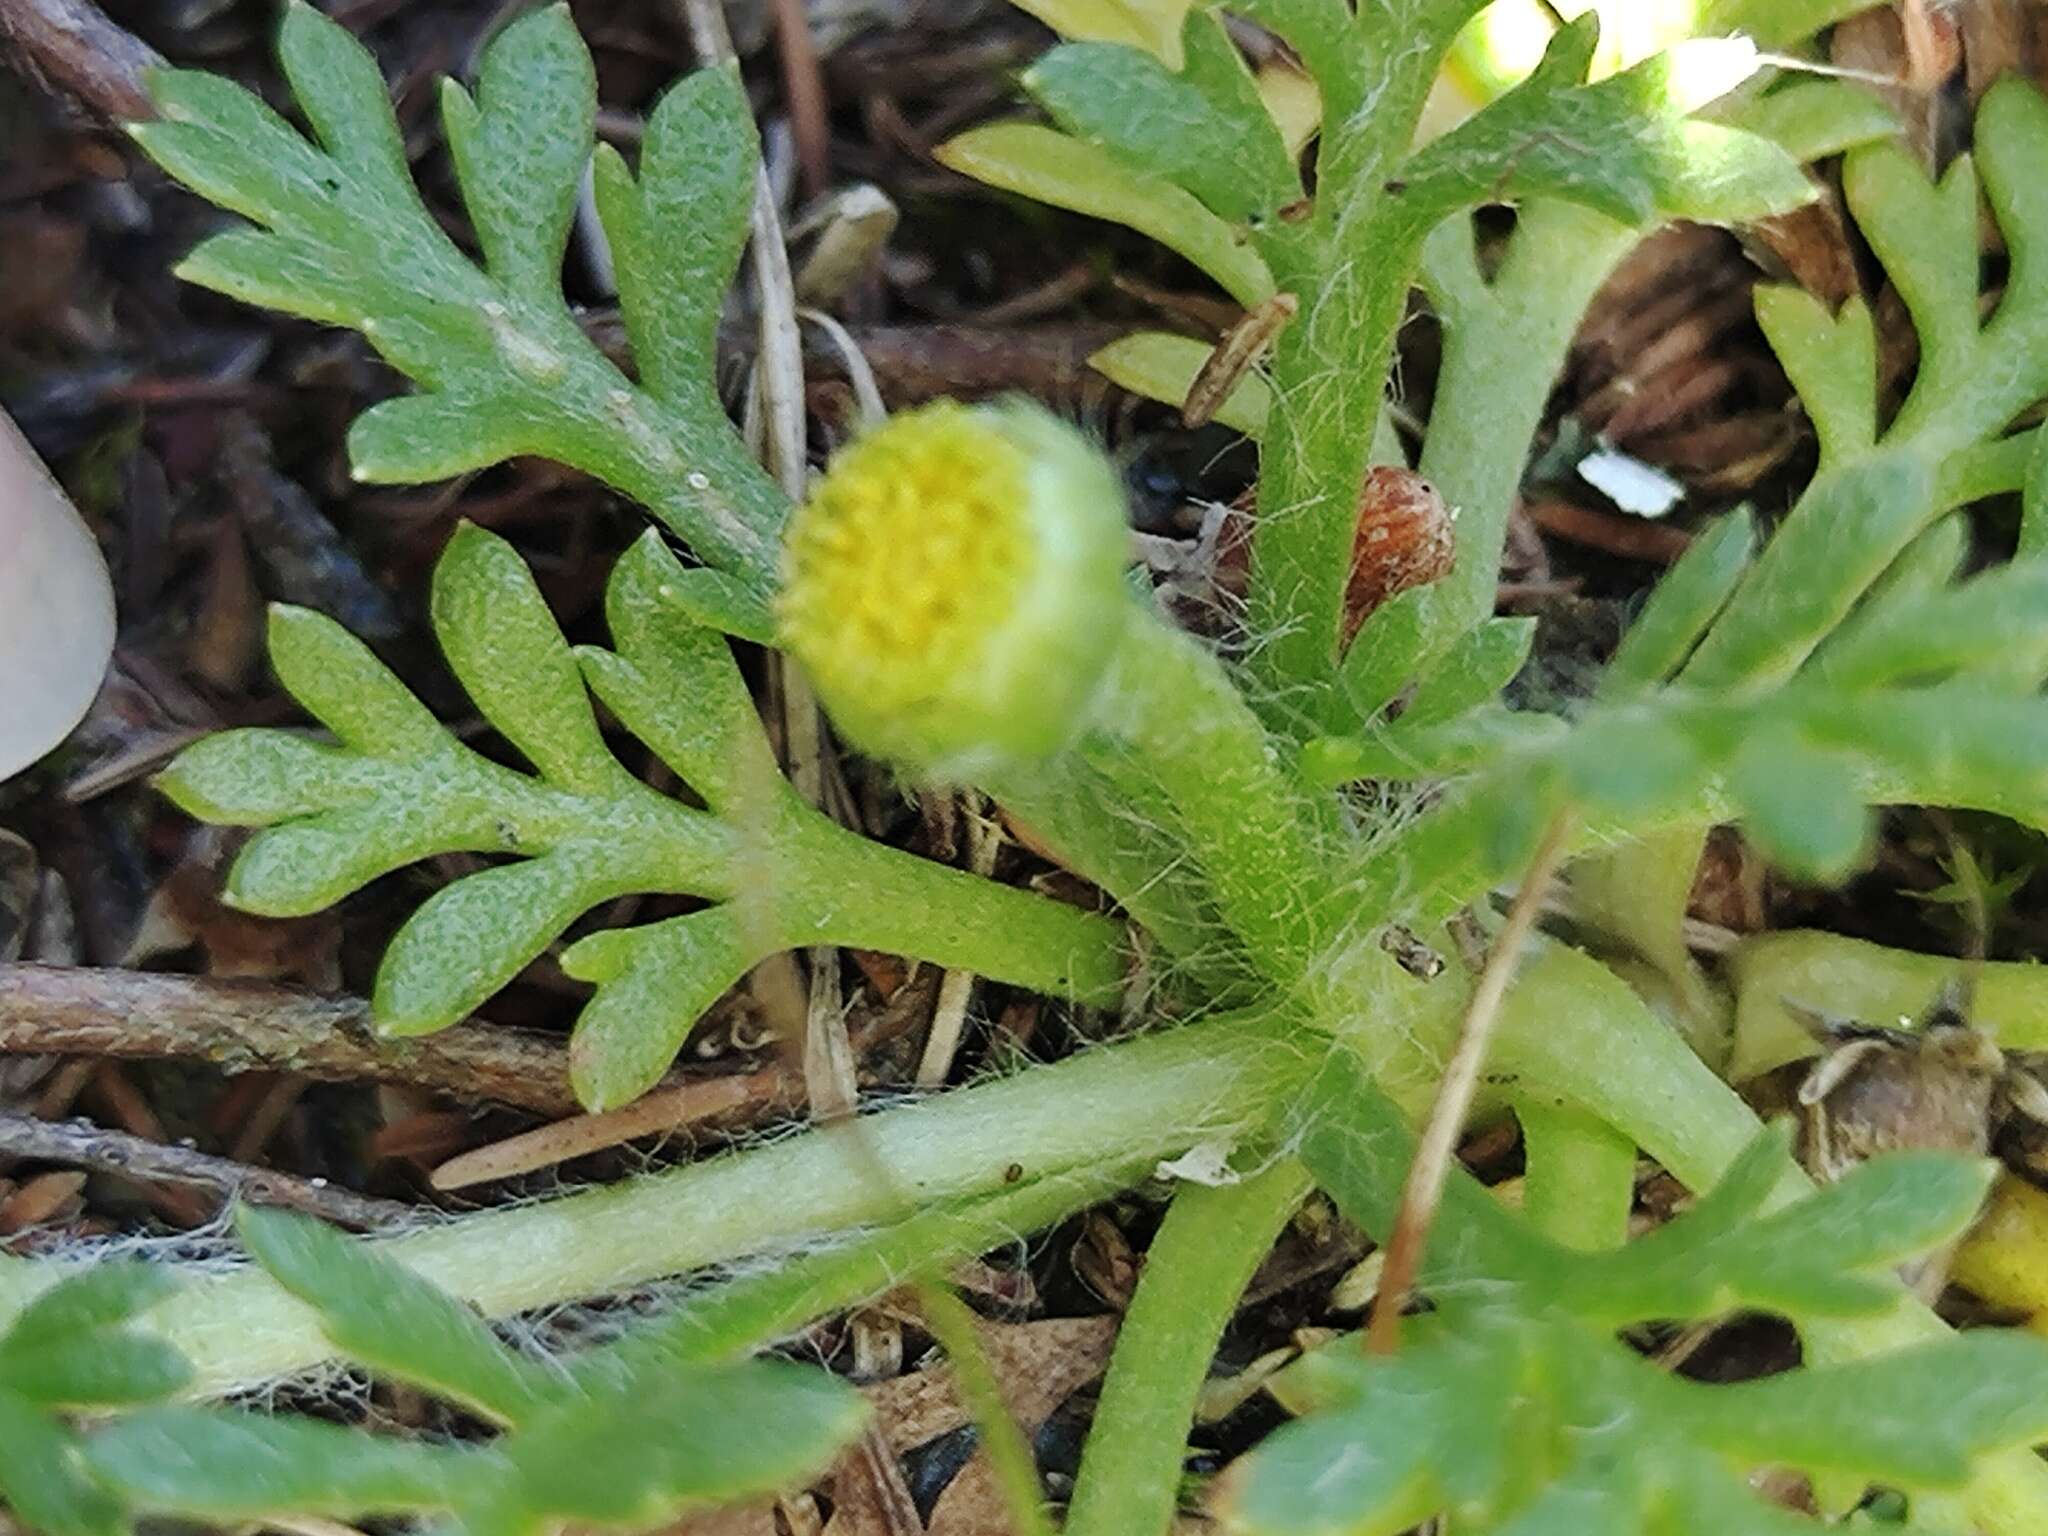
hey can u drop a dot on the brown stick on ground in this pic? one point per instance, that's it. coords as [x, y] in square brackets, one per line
[68, 47]
[244, 1026]
[84, 1145]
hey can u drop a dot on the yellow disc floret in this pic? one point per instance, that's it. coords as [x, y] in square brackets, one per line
[953, 585]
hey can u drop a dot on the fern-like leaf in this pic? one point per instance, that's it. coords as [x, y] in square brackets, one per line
[627, 1439]
[397, 787]
[1514, 1404]
[70, 1348]
[341, 236]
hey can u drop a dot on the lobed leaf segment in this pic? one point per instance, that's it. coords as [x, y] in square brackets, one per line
[340, 236]
[396, 787]
[571, 1442]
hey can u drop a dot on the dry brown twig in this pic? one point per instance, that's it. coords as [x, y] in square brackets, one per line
[92, 1147]
[244, 1026]
[1424, 1186]
[69, 47]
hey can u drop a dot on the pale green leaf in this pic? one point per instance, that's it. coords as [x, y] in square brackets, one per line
[1203, 129]
[1162, 366]
[381, 1314]
[520, 147]
[1052, 167]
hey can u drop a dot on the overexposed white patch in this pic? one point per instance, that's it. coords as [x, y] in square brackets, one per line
[1631, 484]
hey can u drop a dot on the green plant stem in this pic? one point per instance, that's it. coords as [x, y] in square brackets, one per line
[1069, 806]
[1854, 979]
[1328, 378]
[1451, 1104]
[1010, 1454]
[1504, 344]
[836, 887]
[1580, 1179]
[1182, 730]
[1330, 367]
[733, 1317]
[1130, 1104]
[1203, 1256]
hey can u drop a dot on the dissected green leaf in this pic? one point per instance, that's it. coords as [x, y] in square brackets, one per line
[1053, 168]
[1682, 606]
[43, 1477]
[581, 830]
[102, 1295]
[1349, 1471]
[1203, 128]
[585, 831]
[68, 1348]
[520, 146]
[725, 1432]
[1812, 119]
[2033, 539]
[378, 1312]
[1514, 1404]
[343, 238]
[677, 232]
[229, 1464]
[1474, 672]
[1626, 145]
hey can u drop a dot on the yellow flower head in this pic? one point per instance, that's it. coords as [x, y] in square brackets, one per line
[954, 586]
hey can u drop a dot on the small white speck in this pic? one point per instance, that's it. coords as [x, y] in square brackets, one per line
[1631, 484]
[699, 481]
[620, 398]
[494, 309]
[317, 1183]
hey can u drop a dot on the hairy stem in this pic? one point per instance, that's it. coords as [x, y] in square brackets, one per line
[1128, 1104]
[1183, 731]
[1195, 1272]
[840, 888]
[1581, 1175]
[1330, 368]
[1070, 807]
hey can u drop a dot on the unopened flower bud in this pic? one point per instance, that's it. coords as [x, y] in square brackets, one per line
[954, 586]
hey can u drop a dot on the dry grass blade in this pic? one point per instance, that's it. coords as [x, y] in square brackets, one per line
[1425, 1183]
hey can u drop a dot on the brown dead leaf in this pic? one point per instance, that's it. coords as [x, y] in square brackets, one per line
[186, 910]
[40, 1200]
[1039, 1364]
[870, 1496]
[1104, 1259]
[1810, 246]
